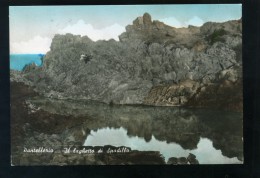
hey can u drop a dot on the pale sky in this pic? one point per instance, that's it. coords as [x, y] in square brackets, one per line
[33, 27]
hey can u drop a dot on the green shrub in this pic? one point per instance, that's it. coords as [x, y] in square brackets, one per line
[216, 36]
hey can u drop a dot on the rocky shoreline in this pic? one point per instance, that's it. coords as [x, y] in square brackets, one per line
[152, 64]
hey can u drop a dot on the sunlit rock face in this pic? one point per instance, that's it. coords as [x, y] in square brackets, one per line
[152, 64]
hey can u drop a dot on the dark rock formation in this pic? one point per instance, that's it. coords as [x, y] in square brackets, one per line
[191, 159]
[152, 63]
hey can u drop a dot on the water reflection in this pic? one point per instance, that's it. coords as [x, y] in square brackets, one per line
[214, 136]
[205, 152]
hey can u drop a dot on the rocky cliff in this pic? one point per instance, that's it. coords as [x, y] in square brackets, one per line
[153, 64]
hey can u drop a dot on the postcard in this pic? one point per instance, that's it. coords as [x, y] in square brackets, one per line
[126, 84]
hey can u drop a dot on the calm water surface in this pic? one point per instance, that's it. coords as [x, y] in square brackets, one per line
[205, 152]
[215, 137]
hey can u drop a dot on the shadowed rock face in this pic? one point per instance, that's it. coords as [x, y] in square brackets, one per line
[152, 63]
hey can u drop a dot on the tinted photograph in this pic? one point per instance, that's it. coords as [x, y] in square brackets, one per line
[126, 84]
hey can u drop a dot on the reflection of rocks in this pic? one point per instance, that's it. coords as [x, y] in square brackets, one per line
[63, 123]
[173, 161]
[191, 159]
[181, 126]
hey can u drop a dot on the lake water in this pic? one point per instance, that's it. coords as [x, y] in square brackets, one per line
[19, 61]
[215, 137]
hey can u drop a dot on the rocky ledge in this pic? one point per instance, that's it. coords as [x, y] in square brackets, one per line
[153, 64]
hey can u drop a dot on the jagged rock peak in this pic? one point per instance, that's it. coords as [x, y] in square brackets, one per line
[146, 20]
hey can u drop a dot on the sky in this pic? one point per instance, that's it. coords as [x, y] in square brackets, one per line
[33, 27]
